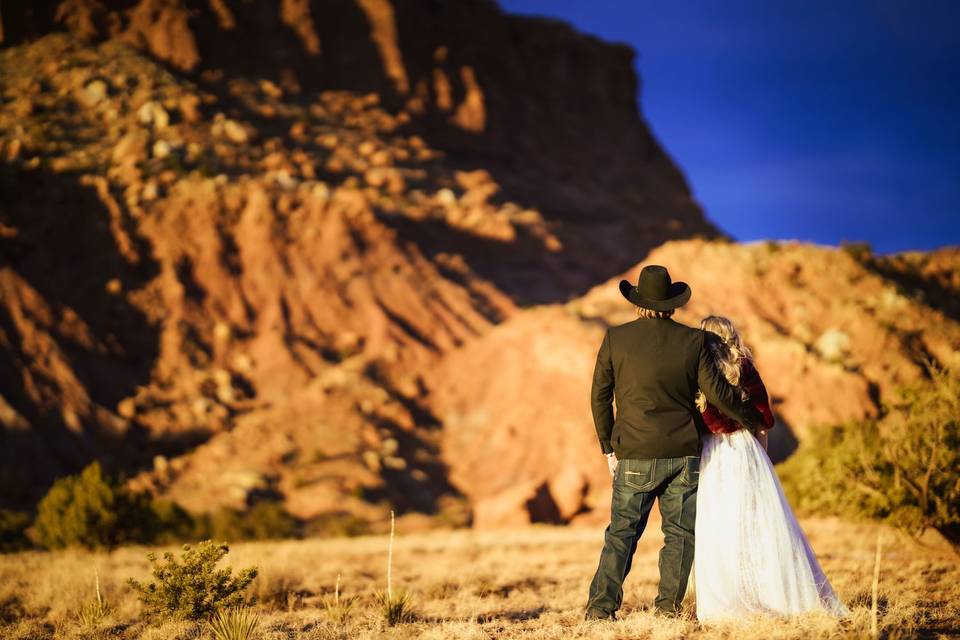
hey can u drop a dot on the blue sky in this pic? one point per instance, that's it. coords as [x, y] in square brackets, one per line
[821, 121]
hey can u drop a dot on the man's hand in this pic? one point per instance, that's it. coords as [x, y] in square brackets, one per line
[612, 463]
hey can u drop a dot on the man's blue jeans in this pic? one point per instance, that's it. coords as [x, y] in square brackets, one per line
[636, 484]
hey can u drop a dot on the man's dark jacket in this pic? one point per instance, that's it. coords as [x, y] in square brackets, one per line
[654, 368]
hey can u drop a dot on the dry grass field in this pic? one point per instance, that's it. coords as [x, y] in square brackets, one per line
[524, 584]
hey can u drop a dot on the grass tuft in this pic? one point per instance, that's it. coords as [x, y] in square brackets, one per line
[338, 609]
[395, 608]
[235, 623]
[91, 614]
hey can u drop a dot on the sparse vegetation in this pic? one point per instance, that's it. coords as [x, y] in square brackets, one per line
[93, 613]
[13, 527]
[192, 588]
[263, 521]
[395, 607]
[337, 608]
[82, 510]
[92, 510]
[860, 251]
[506, 585]
[902, 469]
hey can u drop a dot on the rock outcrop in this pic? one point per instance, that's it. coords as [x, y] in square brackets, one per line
[550, 113]
[832, 335]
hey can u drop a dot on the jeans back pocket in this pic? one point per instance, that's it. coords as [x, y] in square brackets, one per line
[640, 475]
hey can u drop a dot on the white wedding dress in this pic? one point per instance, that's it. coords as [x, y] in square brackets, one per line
[751, 556]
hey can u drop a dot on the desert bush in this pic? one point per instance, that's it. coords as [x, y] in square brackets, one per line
[192, 588]
[278, 589]
[902, 468]
[859, 251]
[336, 525]
[263, 521]
[13, 527]
[80, 510]
[94, 511]
[238, 623]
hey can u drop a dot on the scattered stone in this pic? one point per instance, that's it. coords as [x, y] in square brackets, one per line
[190, 108]
[232, 130]
[127, 408]
[94, 93]
[13, 149]
[221, 332]
[152, 113]
[446, 197]
[320, 192]
[150, 191]
[114, 286]
[161, 149]
[833, 344]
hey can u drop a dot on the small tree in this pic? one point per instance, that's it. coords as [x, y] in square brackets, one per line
[80, 510]
[193, 588]
[93, 511]
[903, 469]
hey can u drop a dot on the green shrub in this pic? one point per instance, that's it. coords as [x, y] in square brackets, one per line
[193, 588]
[94, 511]
[13, 527]
[169, 523]
[902, 468]
[263, 521]
[337, 525]
[80, 510]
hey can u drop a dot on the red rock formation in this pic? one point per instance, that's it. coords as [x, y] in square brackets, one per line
[531, 100]
[831, 337]
[293, 259]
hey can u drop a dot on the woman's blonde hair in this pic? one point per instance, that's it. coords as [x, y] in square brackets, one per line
[728, 353]
[643, 312]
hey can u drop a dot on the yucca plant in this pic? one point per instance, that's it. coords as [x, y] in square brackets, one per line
[93, 613]
[394, 607]
[338, 609]
[236, 623]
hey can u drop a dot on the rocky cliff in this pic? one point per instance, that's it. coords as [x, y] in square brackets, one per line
[343, 255]
[550, 113]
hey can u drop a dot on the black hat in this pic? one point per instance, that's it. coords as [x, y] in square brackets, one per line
[655, 291]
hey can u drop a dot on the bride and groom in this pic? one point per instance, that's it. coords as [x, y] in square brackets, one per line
[691, 418]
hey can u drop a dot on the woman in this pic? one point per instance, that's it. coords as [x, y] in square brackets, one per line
[751, 556]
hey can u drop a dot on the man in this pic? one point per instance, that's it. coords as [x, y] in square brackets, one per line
[654, 366]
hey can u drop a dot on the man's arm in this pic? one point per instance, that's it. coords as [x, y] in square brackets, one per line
[601, 395]
[721, 393]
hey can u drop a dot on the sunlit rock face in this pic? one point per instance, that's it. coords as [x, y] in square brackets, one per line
[355, 255]
[834, 337]
[552, 114]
